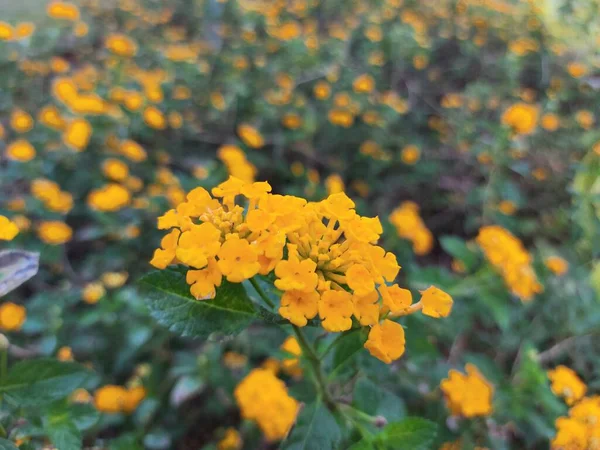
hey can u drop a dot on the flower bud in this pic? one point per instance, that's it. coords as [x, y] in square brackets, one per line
[3, 342]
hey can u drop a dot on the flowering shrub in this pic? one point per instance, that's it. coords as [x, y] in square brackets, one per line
[204, 207]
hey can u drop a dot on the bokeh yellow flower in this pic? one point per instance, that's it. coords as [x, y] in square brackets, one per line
[468, 395]
[12, 316]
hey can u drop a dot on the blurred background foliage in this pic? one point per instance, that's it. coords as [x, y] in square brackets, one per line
[479, 113]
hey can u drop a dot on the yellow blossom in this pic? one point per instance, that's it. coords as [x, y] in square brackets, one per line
[54, 232]
[409, 225]
[155, 118]
[550, 122]
[65, 354]
[565, 383]
[507, 254]
[238, 260]
[8, 229]
[115, 169]
[298, 306]
[366, 308]
[335, 310]
[121, 45]
[21, 121]
[20, 150]
[522, 118]
[114, 280]
[12, 316]
[115, 399]
[386, 341]
[92, 292]
[363, 84]
[62, 10]
[263, 398]
[250, 136]
[436, 303]
[557, 265]
[112, 197]
[410, 154]
[77, 134]
[468, 395]
[132, 150]
[231, 440]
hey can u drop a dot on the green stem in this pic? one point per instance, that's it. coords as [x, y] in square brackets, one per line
[356, 417]
[261, 293]
[3, 367]
[315, 364]
[3, 363]
[358, 414]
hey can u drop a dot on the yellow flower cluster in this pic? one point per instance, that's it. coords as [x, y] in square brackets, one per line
[121, 45]
[12, 316]
[50, 194]
[522, 118]
[565, 383]
[410, 226]
[65, 90]
[62, 10]
[580, 429]
[557, 265]
[20, 31]
[54, 232]
[323, 255]
[263, 398]
[505, 252]
[468, 395]
[77, 134]
[114, 399]
[21, 121]
[231, 440]
[109, 198]
[20, 150]
[93, 292]
[237, 165]
[8, 229]
[250, 136]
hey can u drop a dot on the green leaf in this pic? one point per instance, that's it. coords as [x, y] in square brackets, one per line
[126, 442]
[172, 305]
[63, 433]
[7, 445]
[84, 416]
[375, 400]
[315, 429]
[362, 445]
[413, 433]
[499, 304]
[458, 248]
[346, 347]
[39, 381]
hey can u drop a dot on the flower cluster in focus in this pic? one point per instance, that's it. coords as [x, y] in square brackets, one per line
[324, 256]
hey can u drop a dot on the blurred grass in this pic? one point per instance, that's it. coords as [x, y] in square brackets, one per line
[17, 10]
